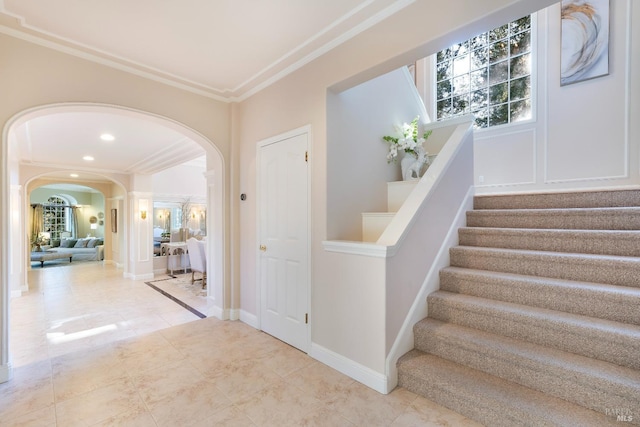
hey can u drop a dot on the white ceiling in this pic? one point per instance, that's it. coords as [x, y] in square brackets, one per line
[224, 49]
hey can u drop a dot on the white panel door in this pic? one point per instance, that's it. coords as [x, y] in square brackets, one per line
[284, 240]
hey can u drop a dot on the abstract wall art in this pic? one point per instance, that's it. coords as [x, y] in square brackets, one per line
[585, 40]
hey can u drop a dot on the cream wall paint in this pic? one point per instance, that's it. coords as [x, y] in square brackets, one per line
[301, 99]
[180, 182]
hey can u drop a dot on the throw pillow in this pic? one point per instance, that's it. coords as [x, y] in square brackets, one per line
[92, 243]
[68, 243]
[100, 242]
[55, 243]
[81, 243]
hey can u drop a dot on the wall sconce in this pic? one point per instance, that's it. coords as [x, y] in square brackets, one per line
[94, 226]
[143, 214]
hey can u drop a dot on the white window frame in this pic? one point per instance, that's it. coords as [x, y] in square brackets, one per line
[430, 90]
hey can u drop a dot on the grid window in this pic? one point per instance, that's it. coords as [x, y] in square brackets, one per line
[488, 76]
[55, 216]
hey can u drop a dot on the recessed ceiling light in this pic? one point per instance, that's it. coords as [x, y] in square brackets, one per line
[107, 137]
[74, 175]
[88, 158]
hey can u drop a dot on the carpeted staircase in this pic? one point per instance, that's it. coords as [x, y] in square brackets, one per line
[537, 320]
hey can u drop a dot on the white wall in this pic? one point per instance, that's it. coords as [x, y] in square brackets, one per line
[582, 136]
[356, 154]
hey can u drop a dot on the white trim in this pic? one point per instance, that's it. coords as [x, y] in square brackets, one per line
[234, 314]
[358, 372]
[17, 293]
[355, 248]
[249, 318]
[93, 54]
[146, 276]
[6, 372]
[405, 340]
[153, 74]
[363, 26]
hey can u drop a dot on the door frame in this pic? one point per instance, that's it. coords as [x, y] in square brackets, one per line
[304, 130]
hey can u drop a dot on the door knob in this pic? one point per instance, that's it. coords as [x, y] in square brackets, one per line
[263, 248]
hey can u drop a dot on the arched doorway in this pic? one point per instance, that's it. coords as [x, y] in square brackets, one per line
[12, 206]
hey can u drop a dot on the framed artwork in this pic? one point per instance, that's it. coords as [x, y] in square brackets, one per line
[114, 220]
[585, 40]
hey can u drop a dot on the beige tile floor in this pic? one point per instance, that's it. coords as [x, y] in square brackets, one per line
[92, 349]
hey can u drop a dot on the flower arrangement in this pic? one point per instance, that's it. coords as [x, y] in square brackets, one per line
[408, 142]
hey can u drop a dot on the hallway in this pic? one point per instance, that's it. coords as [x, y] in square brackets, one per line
[91, 348]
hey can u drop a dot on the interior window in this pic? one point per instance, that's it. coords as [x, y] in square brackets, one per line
[488, 76]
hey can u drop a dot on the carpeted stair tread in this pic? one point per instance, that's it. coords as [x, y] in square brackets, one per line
[608, 198]
[610, 302]
[619, 218]
[489, 399]
[585, 381]
[604, 242]
[613, 342]
[609, 269]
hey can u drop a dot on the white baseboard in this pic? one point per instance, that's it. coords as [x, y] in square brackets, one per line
[358, 372]
[6, 372]
[249, 318]
[147, 276]
[234, 314]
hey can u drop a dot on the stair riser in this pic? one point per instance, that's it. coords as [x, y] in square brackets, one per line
[590, 391]
[614, 347]
[557, 220]
[621, 244]
[615, 305]
[560, 200]
[587, 269]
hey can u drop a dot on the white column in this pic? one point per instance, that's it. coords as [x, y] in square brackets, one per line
[140, 230]
[215, 246]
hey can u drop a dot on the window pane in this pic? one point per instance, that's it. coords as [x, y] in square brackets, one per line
[521, 66]
[478, 41]
[521, 88]
[461, 65]
[444, 109]
[488, 75]
[479, 99]
[498, 72]
[444, 89]
[460, 105]
[499, 93]
[520, 24]
[444, 55]
[479, 79]
[521, 110]
[520, 43]
[499, 33]
[444, 71]
[479, 58]
[482, 119]
[499, 115]
[460, 85]
[498, 51]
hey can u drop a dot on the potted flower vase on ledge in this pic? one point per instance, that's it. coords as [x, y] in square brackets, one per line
[415, 157]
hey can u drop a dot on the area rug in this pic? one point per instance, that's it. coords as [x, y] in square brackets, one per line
[180, 289]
